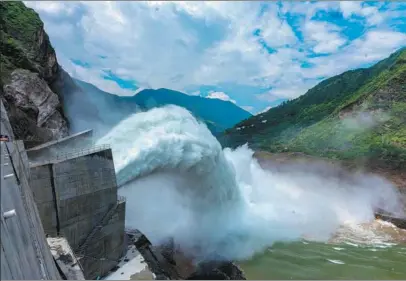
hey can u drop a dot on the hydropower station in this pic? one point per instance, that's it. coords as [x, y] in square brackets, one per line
[63, 219]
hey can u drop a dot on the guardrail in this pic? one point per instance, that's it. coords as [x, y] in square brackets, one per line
[70, 155]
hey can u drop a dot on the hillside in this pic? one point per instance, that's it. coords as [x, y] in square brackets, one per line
[217, 114]
[358, 115]
[29, 69]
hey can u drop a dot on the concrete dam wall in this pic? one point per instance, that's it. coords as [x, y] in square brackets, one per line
[51, 149]
[76, 194]
[62, 193]
[24, 250]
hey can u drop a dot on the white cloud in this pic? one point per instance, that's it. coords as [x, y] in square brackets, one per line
[267, 96]
[325, 36]
[286, 91]
[92, 77]
[248, 108]
[276, 31]
[195, 93]
[307, 8]
[51, 7]
[156, 49]
[264, 110]
[350, 8]
[373, 46]
[48, 7]
[179, 44]
[61, 31]
[355, 8]
[372, 15]
[220, 96]
[291, 92]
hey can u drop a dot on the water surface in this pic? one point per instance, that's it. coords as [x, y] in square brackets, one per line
[374, 253]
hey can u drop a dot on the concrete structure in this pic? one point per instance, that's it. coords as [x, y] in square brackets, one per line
[76, 195]
[53, 148]
[65, 258]
[24, 251]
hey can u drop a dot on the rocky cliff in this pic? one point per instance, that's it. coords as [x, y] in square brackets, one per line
[29, 69]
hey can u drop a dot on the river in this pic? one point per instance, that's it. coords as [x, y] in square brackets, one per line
[375, 251]
[371, 251]
[181, 184]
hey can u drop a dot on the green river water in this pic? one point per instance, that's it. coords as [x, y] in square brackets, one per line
[313, 260]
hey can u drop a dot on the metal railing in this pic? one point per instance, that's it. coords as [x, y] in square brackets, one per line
[72, 154]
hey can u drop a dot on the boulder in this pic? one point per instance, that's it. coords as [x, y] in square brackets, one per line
[34, 110]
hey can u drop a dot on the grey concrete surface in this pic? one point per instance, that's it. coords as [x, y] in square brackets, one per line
[50, 149]
[77, 198]
[106, 247]
[43, 195]
[71, 195]
[24, 251]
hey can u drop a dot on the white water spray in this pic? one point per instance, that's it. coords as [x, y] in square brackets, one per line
[180, 183]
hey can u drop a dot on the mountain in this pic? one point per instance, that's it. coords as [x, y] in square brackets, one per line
[217, 114]
[29, 70]
[44, 103]
[359, 114]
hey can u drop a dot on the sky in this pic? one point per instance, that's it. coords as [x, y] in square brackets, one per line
[254, 54]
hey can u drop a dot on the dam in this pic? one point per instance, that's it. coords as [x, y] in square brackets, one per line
[65, 201]
[76, 196]
[22, 237]
[63, 219]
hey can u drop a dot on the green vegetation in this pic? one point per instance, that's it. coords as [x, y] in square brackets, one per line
[20, 31]
[19, 21]
[360, 114]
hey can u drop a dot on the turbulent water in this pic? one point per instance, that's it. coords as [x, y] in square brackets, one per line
[180, 183]
[315, 260]
[374, 250]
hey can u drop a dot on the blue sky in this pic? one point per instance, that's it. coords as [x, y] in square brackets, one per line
[255, 54]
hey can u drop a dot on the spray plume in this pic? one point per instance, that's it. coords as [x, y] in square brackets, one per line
[180, 183]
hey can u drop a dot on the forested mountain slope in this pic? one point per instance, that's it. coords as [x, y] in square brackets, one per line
[217, 114]
[359, 114]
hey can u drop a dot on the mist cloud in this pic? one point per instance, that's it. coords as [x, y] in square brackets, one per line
[180, 183]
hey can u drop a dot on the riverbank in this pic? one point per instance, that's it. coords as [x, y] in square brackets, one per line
[374, 250]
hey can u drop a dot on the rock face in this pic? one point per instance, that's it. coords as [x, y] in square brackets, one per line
[166, 264]
[217, 271]
[32, 98]
[29, 69]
